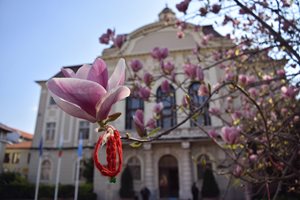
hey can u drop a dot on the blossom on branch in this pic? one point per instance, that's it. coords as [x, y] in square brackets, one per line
[89, 94]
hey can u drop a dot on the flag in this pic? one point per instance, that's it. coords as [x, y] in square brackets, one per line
[41, 147]
[79, 151]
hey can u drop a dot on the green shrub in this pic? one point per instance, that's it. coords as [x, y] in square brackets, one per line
[27, 191]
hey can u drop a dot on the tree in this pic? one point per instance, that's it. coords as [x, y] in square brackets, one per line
[259, 87]
[126, 190]
[88, 170]
[210, 188]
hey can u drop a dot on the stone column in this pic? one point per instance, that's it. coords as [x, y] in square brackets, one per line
[185, 172]
[149, 171]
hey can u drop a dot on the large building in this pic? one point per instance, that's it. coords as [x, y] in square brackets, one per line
[175, 159]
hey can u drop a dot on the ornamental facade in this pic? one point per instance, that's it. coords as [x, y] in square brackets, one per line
[167, 167]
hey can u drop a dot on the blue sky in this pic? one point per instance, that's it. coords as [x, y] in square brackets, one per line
[39, 37]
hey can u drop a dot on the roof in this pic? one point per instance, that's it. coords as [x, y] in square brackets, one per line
[25, 134]
[6, 128]
[21, 145]
[22, 133]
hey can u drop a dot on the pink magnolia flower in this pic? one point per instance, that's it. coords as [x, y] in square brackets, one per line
[203, 90]
[138, 120]
[216, 8]
[280, 72]
[148, 78]
[136, 65]
[213, 133]
[253, 92]
[229, 76]
[119, 40]
[215, 111]
[230, 135]
[183, 6]
[89, 94]
[144, 93]
[165, 86]
[105, 37]
[168, 67]
[203, 11]
[159, 53]
[243, 80]
[180, 34]
[237, 171]
[199, 74]
[151, 123]
[289, 91]
[158, 107]
[190, 70]
[185, 101]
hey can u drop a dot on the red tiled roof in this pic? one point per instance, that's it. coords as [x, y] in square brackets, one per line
[21, 145]
[25, 134]
[22, 133]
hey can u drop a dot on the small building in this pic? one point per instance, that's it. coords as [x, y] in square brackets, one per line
[17, 158]
[15, 146]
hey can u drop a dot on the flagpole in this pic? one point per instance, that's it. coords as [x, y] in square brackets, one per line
[77, 178]
[36, 194]
[38, 179]
[57, 178]
[79, 155]
[58, 166]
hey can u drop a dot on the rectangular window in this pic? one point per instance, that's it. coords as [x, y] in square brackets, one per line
[50, 131]
[28, 158]
[84, 130]
[15, 158]
[132, 105]
[51, 101]
[6, 158]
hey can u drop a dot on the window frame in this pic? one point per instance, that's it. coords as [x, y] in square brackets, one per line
[200, 168]
[84, 130]
[196, 101]
[134, 164]
[48, 167]
[131, 109]
[169, 103]
[50, 131]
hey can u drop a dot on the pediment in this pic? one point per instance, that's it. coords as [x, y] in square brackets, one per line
[165, 37]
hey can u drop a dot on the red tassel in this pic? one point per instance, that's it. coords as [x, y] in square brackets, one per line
[113, 149]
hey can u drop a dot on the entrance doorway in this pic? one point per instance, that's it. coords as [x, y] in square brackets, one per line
[168, 177]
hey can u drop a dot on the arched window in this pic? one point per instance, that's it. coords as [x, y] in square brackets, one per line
[203, 162]
[132, 104]
[168, 116]
[196, 101]
[46, 170]
[134, 165]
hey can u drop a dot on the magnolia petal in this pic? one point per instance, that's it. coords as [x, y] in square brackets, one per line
[99, 73]
[139, 117]
[67, 72]
[83, 71]
[118, 76]
[72, 109]
[83, 93]
[104, 106]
